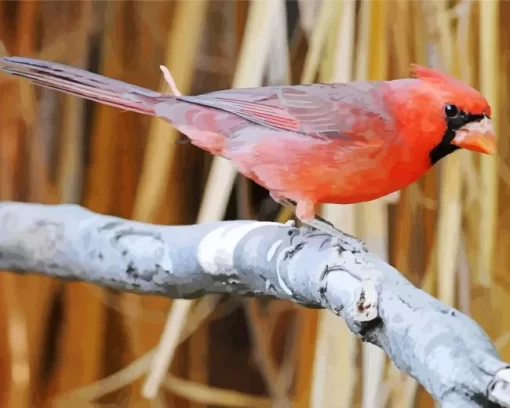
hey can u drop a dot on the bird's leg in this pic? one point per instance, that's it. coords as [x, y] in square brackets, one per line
[292, 205]
[305, 211]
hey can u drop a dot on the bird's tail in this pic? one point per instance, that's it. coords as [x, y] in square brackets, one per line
[85, 84]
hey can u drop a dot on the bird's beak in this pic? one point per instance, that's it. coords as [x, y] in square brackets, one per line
[476, 136]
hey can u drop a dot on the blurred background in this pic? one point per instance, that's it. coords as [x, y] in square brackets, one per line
[79, 345]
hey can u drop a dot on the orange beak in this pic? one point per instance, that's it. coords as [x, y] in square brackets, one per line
[476, 136]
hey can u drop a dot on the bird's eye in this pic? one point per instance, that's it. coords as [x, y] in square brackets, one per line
[451, 110]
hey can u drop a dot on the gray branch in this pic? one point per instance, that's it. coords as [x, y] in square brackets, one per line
[445, 350]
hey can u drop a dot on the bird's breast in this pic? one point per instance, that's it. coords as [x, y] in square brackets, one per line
[366, 176]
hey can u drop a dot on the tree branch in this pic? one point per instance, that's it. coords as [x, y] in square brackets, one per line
[445, 350]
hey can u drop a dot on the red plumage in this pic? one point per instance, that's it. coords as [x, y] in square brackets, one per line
[319, 143]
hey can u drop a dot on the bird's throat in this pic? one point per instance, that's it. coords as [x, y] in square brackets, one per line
[440, 151]
[445, 146]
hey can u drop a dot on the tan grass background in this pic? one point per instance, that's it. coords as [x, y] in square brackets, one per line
[76, 345]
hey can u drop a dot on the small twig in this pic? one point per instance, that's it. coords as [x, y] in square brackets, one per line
[170, 81]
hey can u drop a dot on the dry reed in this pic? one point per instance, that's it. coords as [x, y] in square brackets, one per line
[79, 345]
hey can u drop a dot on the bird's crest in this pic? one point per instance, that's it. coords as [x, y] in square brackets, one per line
[459, 91]
[429, 74]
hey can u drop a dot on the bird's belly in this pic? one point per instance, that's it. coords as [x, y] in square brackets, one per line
[350, 186]
[354, 187]
[312, 172]
[326, 183]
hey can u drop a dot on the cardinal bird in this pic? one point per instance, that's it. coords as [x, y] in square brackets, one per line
[335, 143]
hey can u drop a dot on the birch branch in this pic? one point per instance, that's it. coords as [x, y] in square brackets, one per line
[445, 350]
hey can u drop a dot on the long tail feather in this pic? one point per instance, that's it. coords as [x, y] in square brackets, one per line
[85, 84]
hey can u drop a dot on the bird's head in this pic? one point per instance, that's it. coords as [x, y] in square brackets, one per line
[460, 114]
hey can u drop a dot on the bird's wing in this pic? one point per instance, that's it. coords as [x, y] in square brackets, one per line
[357, 113]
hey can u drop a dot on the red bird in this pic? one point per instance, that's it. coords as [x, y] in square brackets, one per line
[308, 144]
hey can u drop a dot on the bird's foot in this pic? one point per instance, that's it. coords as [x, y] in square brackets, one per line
[324, 221]
[322, 225]
[303, 209]
[305, 212]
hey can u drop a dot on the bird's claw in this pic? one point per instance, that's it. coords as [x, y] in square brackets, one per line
[324, 221]
[319, 224]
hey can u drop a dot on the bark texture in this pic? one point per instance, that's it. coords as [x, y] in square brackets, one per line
[445, 350]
